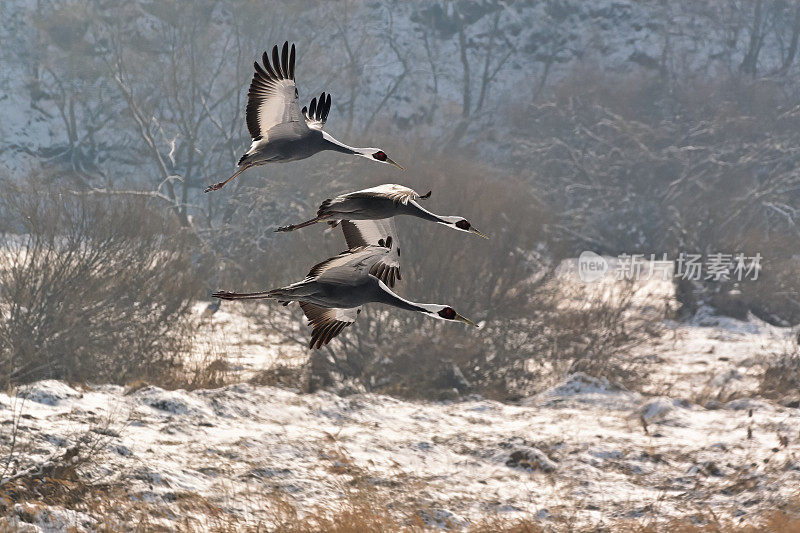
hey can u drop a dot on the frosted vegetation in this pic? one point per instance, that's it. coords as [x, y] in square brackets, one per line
[558, 126]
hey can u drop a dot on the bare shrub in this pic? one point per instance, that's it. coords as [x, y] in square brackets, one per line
[564, 330]
[592, 330]
[93, 288]
[702, 165]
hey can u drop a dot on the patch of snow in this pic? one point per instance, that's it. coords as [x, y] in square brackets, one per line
[532, 459]
[48, 519]
[657, 409]
[580, 388]
[49, 392]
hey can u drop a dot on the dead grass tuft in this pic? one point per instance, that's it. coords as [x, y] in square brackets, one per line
[781, 377]
[785, 520]
[283, 376]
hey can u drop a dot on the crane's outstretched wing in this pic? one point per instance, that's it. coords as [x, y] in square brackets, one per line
[399, 194]
[381, 233]
[272, 98]
[346, 267]
[316, 114]
[326, 323]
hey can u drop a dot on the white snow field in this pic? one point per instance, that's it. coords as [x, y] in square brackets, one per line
[584, 452]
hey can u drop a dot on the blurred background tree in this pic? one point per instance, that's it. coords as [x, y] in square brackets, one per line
[554, 126]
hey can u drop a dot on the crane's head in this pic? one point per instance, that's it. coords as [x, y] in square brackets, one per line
[445, 312]
[376, 154]
[461, 224]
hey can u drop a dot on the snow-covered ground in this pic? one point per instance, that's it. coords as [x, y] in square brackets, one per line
[584, 450]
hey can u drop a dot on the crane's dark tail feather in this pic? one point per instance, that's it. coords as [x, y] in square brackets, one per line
[227, 295]
[426, 195]
[221, 184]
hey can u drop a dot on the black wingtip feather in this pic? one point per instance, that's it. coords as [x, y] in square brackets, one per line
[321, 107]
[267, 67]
[259, 69]
[291, 63]
[327, 108]
[276, 61]
[281, 65]
[285, 60]
[318, 109]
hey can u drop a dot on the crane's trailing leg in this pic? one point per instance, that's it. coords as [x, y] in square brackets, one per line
[296, 291]
[221, 184]
[292, 227]
[228, 295]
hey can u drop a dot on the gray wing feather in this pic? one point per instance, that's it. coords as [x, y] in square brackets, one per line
[381, 233]
[347, 267]
[392, 191]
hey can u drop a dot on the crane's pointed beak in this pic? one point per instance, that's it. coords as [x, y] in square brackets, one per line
[476, 232]
[465, 320]
[391, 162]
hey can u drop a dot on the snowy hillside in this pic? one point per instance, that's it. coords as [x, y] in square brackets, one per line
[584, 451]
[411, 77]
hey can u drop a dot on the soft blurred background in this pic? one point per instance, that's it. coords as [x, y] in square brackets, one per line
[553, 126]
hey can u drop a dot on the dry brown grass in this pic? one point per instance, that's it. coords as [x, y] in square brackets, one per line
[775, 521]
[363, 510]
[282, 375]
[781, 377]
[204, 367]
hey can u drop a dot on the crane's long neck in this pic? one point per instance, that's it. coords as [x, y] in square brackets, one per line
[386, 296]
[414, 209]
[330, 143]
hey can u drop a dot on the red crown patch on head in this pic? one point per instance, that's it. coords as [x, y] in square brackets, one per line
[447, 313]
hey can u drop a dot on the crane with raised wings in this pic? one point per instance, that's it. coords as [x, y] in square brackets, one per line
[280, 130]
